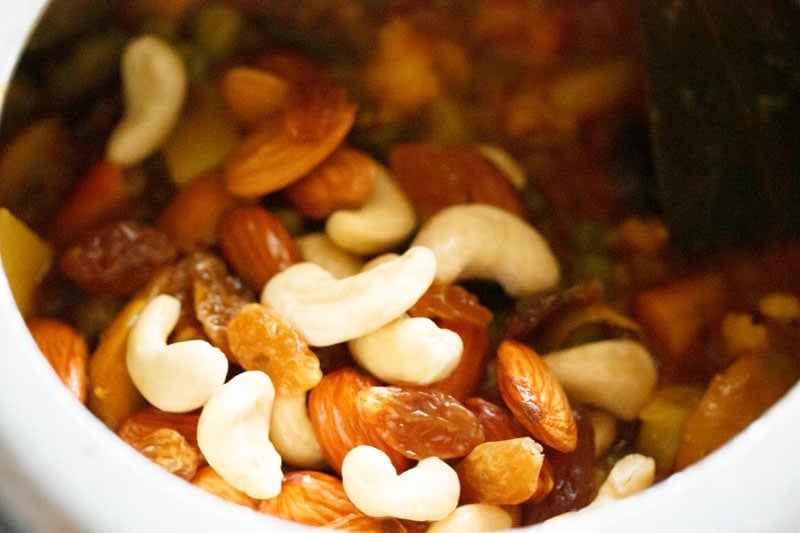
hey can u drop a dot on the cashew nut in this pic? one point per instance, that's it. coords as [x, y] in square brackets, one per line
[428, 491]
[409, 350]
[604, 425]
[327, 311]
[484, 241]
[233, 434]
[385, 221]
[629, 475]
[474, 517]
[617, 375]
[319, 248]
[291, 433]
[155, 85]
[177, 377]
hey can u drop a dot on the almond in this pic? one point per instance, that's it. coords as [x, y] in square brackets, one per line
[252, 94]
[535, 397]
[336, 421]
[310, 497]
[210, 481]
[343, 181]
[65, 350]
[277, 154]
[256, 244]
[192, 216]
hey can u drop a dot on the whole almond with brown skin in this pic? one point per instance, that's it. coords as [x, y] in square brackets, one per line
[343, 181]
[65, 350]
[534, 396]
[310, 497]
[282, 151]
[256, 244]
[210, 481]
[336, 421]
[252, 94]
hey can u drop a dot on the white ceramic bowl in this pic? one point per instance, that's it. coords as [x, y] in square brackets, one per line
[62, 470]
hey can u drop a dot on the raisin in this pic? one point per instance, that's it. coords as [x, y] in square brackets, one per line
[572, 474]
[502, 472]
[168, 449]
[260, 339]
[117, 259]
[420, 423]
[450, 301]
[145, 421]
[497, 422]
[218, 296]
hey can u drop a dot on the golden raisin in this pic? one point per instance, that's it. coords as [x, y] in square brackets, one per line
[451, 301]
[420, 423]
[260, 339]
[168, 449]
[145, 421]
[218, 296]
[502, 472]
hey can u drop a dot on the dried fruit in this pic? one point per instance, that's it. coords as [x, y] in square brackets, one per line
[534, 396]
[218, 296]
[455, 308]
[343, 181]
[572, 474]
[256, 244]
[452, 302]
[420, 423]
[337, 423]
[252, 94]
[169, 450]
[503, 472]
[210, 481]
[496, 421]
[274, 156]
[465, 380]
[733, 399]
[435, 177]
[310, 497]
[145, 421]
[65, 350]
[117, 259]
[113, 397]
[100, 196]
[192, 216]
[260, 339]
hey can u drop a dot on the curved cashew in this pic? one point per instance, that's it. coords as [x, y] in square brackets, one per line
[155, 85]
[409, 350]
[318, 248]
[385, 221]
[291, 433]
[233, 434]
[177, 377]
[327, 311]
[484, 241]
[629, 475]
[474, 517]
[618, 375]
[429, 491]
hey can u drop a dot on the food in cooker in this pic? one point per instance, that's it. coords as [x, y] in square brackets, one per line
[357, 266]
